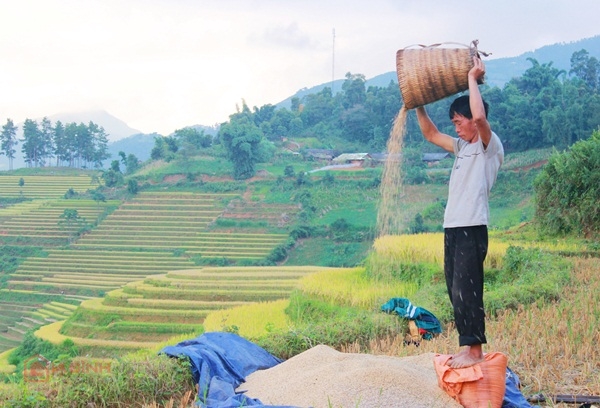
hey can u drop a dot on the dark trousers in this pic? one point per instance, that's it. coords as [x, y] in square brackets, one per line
[465, 249]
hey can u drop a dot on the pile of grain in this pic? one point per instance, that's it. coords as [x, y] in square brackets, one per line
[325, 378]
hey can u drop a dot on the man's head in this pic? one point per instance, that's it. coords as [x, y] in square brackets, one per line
[461, 107]
[462, 119]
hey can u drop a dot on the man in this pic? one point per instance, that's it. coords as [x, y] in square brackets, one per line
[479, 154]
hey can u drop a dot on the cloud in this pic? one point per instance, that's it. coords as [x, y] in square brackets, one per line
[289, 37]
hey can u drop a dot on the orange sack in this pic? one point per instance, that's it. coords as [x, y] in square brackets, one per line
[480, 386]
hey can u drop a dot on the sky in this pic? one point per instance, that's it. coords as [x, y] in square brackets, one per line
[162, 65]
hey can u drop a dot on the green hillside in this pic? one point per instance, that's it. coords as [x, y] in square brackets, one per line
[127, 243]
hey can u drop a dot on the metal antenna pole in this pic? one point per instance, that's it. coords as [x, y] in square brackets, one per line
[333, 62]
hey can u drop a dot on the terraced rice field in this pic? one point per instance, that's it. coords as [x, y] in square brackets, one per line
[177, 221]
[80, 274]
[43, 186]
[154, 233]
[91, 273]
[160, 307]
[18, 317]
[277, 215]
[39, 222]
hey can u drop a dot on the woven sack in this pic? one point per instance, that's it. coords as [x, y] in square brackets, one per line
[429, 73]
[480, 386]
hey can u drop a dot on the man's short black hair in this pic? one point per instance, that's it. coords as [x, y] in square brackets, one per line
[461, 106]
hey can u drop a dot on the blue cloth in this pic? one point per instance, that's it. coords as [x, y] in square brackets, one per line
[513, 398]
[423, 318]
[220, 362]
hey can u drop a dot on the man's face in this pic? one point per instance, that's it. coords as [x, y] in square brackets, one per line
[465, 128]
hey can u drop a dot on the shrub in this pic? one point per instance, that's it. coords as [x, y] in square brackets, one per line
[135, 380]
[528, 275]
[568, 191]
[319, 322]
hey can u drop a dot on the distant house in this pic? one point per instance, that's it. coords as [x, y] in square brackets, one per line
[434, 158]
[383, 157]
[357, 159]
[320, 154]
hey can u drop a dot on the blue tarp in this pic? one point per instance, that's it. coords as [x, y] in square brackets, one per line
[220, 362]
[512, 396]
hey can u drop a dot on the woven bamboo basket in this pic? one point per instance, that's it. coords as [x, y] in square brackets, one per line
[429, 73]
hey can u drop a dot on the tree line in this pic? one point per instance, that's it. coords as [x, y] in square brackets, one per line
[544, 107]
[70, 144]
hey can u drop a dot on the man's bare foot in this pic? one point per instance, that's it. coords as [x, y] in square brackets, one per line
[468, 357]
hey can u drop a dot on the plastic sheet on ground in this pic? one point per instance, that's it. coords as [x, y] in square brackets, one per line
[220, 362]
[512, 396]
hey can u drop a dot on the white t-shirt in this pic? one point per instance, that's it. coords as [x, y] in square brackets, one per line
[473, 175]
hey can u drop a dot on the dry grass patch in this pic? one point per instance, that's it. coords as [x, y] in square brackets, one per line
[552, 347]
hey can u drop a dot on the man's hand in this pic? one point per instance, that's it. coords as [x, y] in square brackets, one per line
[478, 70]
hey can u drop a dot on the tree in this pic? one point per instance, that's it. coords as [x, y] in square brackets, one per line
[241, 139]
[354, 90]
[192, 139]
[72, 222]
[46, 140]
[113, 177]
[123, 157]
[99, 145]
[318, 107]
[587, 69]
[32, 147]
[164, 148]
[158, 150]
[61, 145]
[132, 164]
[288, 171]
[132, 186]
[114, 166]
[9, 141]
[70, 144]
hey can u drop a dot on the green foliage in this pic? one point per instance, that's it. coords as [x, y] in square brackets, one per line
[529, 275]
[242, 139]
[289, 171]
[321, 251]
[317, 322]
[568, 191]
[70, 194]
[112, 178]
[418, 226]
[8, 141]
[132, 186]
[76, 145]
[10, 259]
[134, 380]
[32, 346]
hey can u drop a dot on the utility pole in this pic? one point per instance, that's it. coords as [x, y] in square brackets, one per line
[333, 62]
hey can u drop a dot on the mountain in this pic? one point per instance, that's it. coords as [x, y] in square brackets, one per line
[114, 127]
[141, 144]
[498, 71]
